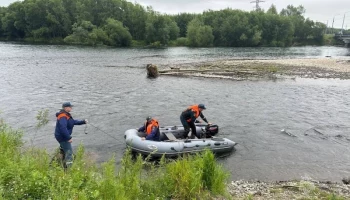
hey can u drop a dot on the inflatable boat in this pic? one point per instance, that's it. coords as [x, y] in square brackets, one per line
[172, 142]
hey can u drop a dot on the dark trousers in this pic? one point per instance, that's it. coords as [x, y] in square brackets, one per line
[67, 148]
[187, 126]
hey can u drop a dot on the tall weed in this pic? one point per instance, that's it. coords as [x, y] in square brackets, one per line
[29, 174]
[214, 176]
[185, 177]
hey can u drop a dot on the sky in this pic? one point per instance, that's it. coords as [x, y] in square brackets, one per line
[317, 10]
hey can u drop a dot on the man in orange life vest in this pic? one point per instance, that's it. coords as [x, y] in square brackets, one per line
[188, 118]
[151, 128]
[63, 131]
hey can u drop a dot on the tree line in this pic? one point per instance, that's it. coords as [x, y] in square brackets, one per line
[121, 23]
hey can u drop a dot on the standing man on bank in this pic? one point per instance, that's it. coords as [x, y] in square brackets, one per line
[188, 118]
[63, 131]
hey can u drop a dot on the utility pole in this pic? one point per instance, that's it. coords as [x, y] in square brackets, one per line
[257, 6]
[333, 22]
[342, 24]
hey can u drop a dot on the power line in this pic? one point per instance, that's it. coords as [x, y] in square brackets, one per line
[257, 6]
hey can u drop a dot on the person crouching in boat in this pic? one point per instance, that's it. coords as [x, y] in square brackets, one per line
[189, 117]
[151, 128]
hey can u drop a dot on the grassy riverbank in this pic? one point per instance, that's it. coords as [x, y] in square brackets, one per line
[264, 69]
[26, 173]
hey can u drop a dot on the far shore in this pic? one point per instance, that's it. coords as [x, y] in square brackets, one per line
[243, 69]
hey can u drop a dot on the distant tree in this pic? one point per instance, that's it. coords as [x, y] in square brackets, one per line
[277, 30]
[302, 26]
[46, 19]
[182, 21]
[220, 23]
[318, 31]
[173, 30]
[86, 33]
[160, 28]
[134, 18]
[118, 35]
[198, 34]
[272, 10]
[157, 29]
[117, 22]
[13, 21]
[293, 11]
[2, 14]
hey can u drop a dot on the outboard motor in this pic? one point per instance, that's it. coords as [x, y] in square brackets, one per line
[211, 130]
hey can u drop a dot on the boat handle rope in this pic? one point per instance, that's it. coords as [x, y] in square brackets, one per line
[172, 148]
[103, 132]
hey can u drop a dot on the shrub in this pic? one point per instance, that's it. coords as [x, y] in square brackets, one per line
[182, 41]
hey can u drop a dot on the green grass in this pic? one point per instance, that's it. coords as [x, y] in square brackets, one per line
[26, 173]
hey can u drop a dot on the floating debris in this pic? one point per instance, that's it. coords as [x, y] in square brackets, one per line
[152, 71]
[287, 133]
[319, 132]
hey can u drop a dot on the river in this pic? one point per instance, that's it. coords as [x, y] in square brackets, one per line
[108, 86]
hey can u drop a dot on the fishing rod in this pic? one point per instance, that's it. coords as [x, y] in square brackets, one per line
[101, 131]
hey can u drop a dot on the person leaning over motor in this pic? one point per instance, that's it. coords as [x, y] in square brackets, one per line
[63, 131]
[189, 116]
[151, 128]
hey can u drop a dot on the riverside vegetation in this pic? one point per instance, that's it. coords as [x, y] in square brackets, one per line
[26, 173]
[120, 23]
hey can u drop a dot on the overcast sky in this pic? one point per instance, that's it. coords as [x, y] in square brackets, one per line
[317, 10]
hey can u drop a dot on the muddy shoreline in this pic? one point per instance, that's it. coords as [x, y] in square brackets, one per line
[263, 69]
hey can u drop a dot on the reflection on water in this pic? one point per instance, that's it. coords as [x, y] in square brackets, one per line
[118, 98]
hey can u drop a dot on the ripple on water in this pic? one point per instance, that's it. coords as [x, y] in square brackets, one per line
[115, 99]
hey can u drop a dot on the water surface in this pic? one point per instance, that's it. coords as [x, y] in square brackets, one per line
[109, 87]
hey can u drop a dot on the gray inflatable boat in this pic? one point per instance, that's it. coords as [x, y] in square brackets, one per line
[173, 144]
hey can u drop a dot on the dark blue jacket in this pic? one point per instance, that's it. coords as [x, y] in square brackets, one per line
[155, 134]
[64, 126]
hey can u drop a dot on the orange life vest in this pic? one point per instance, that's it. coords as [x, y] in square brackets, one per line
[195, 110]
[149, 126]
[63, 115]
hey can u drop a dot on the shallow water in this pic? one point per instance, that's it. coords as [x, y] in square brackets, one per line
[109, 87]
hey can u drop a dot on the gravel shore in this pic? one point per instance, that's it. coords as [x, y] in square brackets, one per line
[338, 65]
[264, 69]
[288, 190]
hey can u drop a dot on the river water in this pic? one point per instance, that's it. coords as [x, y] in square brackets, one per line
[109, 87]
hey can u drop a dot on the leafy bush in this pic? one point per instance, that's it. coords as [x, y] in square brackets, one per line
[118, 35]
[182, 41]
[138, 43]
[85, 33]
